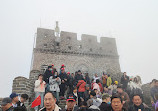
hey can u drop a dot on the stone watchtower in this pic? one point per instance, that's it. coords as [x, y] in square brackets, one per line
[55, 47]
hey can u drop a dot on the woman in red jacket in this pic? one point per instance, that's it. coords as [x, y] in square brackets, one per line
[81, 89]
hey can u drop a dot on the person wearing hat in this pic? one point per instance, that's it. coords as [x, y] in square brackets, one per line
[63, 77]
[15, 99]
[70, 103]
[106, 102]
[7, 104]
[113, 87]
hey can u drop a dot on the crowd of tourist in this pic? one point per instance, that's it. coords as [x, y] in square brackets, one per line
[83, 93]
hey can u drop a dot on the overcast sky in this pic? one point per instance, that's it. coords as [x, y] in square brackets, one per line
[134, 24]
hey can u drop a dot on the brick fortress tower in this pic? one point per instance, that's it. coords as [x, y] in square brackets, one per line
[55, 47]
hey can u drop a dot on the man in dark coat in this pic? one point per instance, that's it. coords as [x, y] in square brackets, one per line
[124, 81]
[63, 77]
[47, 74]
[78, 77]
[46, 77]
[70, 83]
[106, 102]
[138, 104]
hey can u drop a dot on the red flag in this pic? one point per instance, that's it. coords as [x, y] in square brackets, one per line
[36, 102]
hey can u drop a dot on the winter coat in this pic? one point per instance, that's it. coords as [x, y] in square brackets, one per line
[54, 84]
[63, 76]
[70, 80]
[94, 101]
[77, 78]
[39, 87]
[153, 91]
[101, 87]
[104, 106]
[109, 81]
[81, 86]
[125, 98]
[124, 81]
[96, 86]
[142, 107]
[87, 79]
[86, 95]
[104, 80]
[47, 75]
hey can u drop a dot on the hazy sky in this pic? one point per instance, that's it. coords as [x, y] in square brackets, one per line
[134, 24]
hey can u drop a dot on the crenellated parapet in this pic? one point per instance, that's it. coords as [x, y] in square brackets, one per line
[67, 41]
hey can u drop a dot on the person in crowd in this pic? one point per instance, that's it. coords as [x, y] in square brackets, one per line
[23, 99]
[75, 94]
[54, 82]
[110, 91]
[152, 84]
[96, 77]
[138, 104]
[93, 101]
[104, 79]
[153, 91]
[83, 107]
[124, 96]
[124, 81]
[78, 77]
[15, 99]
[86, 95]
[81, 89]
[109, 80]
[46, 77]
[70, 83]
[105, 89]
[113, 87]
[39, 89]
[97, 88]
[155, 105]
[70, 103]
[116, 103]
[92, 83]
[63, 77]
[53, 69]
[100, 85]
[106, 102]
[87, 78]
[6, 104]
[50, 103]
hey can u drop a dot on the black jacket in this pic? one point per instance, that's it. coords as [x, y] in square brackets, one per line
[135, 108]
[21, 105]
[63, 76]
[77, 78]
[47, 75]
[104, 106]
